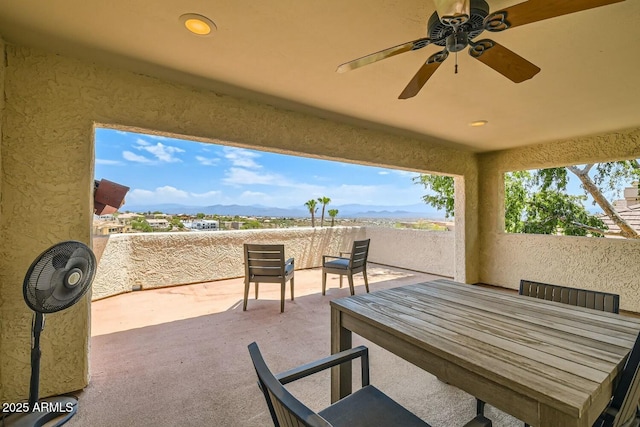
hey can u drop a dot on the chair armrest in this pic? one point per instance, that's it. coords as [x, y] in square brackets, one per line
[328, 362]
[342, 253]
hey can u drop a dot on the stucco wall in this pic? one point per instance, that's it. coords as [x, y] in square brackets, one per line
[52, 103]
[151, 260]
[2, 311]
[604, 264]
[419, 250]
[47, 176]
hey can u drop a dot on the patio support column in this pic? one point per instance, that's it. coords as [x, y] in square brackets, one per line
[466, 252]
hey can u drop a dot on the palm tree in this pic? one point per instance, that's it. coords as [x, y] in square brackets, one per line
[333, 213]
[325, 201]
[311, 205]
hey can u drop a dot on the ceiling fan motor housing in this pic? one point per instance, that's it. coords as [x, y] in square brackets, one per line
[457, 41]
[441, 33]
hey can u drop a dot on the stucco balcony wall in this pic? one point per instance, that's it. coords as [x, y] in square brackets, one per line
[152, 260]
[419, 250]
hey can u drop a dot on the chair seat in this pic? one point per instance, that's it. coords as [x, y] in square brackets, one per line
[370, 407]
[288, 268]
[341, 263]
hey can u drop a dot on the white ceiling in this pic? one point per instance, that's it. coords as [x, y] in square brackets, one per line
[285, 52]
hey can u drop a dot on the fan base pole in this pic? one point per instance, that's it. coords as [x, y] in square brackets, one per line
[54, 409]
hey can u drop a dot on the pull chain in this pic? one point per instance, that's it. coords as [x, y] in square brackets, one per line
[456, 63]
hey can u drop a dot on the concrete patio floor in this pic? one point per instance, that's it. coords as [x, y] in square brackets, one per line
[178, 356]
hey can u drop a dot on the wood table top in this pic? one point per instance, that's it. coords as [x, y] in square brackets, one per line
[563, 356]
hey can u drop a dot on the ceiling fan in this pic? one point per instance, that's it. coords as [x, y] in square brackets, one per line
[456, 23]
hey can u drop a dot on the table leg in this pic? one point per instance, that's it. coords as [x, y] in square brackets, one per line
[341, 374]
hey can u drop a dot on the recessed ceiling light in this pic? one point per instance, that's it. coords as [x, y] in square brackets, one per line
[478, 123]
[198, 24]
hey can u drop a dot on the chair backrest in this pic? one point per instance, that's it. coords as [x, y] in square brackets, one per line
[285, 409]
[264, 263]
[359, 253]
[602, 301]
[624, 404]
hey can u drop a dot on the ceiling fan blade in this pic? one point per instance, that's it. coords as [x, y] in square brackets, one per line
[538, 10]
[424, 73]
[383, 54]
[509, 64]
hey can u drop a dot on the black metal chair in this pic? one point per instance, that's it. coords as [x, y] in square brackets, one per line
[266, 263]
[623, 410]
[356, 263]
[366, 407]
[596, 300]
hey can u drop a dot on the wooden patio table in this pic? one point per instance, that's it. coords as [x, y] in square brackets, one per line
[546, 363]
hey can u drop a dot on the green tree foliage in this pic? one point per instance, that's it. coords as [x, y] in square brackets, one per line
[443, 188]
[325, 201]
[251, 224]
[537, 201]
[516, 192]
[311, 205]
[333, 213]
[554, 212]
[141, 225]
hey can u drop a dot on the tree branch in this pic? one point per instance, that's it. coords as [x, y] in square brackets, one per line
[625, 229]
[596, 229]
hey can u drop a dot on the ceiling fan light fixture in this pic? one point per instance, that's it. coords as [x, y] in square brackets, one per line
[198, 24]
[453, 12]
[478, 123]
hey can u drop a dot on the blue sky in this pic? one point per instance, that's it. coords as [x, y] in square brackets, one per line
[166, 170]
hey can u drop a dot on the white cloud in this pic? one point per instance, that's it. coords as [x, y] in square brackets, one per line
[162, 153]
[158, 137]
[240, 157]
[132, 157]
[207, 161]
[166, 194]
[405, 173]
[108, 162]
[383, 173]
[239, 176]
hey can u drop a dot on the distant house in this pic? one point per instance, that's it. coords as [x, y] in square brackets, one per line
[202, 224]
[126, 218]
[158, 223]
[105, 228]
[628, 208]
[233, 225]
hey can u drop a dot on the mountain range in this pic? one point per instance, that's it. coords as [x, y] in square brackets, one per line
[418, 210]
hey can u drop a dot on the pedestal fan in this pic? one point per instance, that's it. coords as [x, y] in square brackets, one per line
[56, 280]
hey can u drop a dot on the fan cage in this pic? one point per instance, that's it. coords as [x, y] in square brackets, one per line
[38, 289]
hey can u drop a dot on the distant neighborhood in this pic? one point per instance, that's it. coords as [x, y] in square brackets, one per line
[145, 222]
[156, 221]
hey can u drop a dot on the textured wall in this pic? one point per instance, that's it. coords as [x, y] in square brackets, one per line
[420, 250]
[2, 310]
[52, 103]
[46, 185]
[606, 264]
[153, 260]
